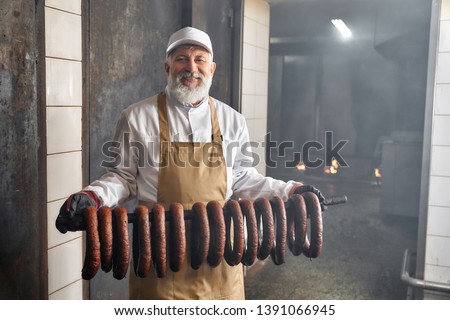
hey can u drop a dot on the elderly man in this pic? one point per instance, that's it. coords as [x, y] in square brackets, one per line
[188, 120]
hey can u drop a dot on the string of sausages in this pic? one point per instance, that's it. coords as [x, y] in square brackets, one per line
[260, 229]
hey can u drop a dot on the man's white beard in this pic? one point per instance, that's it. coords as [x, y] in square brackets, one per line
[183, 93]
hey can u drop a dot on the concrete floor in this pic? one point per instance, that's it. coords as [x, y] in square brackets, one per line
[361, 257]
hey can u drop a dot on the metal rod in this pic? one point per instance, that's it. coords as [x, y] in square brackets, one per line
[76, 222]
[419, 283]
[335, 200]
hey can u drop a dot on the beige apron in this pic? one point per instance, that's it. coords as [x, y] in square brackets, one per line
[190, 172]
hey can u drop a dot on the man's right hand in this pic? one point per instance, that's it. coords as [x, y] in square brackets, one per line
[73, 204]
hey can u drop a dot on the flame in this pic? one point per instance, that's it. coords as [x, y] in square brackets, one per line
[301, 167]
[333, 169]
[335, 164]
[377, 173]
[330, 170]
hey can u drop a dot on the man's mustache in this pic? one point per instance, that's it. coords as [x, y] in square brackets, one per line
[187, 74]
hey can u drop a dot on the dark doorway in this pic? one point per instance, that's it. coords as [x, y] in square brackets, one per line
[368, 90]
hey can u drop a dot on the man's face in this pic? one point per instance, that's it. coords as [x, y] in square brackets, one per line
[195, 61]
[190, 71]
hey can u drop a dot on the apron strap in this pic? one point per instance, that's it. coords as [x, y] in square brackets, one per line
[163, 119]
[216, 133]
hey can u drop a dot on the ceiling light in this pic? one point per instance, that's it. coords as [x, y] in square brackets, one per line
[342, 27]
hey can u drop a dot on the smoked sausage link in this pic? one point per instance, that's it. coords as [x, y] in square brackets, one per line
[141, 242]
[279, 215]
[251, 247]
[266, 236]
[105, 230]
[121, 250]
[199, 235]
[217, 233]
[158, 240]
[177, 237]
[296, 224]
[234, 249]
[313, 249]
[92, 254]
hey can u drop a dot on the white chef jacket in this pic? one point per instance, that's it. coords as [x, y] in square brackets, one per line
[132, 158]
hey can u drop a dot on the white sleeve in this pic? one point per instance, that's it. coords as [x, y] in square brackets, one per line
[118, 184]
[248, 182]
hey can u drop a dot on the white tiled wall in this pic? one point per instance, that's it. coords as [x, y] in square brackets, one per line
[72, 6]
[63, 78]
[63, 35]
[441, 100]
[437, 259]
[63, 175]
[255, 74]
[63, 50]
[72, 119]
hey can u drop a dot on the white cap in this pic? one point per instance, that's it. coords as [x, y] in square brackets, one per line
[189, 35]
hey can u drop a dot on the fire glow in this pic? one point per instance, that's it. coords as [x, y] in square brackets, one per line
[377, 173]
[333, 169]
[377, 176]
[300, 167]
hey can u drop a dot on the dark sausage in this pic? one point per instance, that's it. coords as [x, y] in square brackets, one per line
[297, 224]
[121, 250]
[142, 258]
[217, 233]
[265, 242]
[279, 215]
[158, 240]
[199, 235]
[135, 243]
[92, 254]
[251, 247]
[313, 249]
[234, 250]
[105, 230]
[177, 239]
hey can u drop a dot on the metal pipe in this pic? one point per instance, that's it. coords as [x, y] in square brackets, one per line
[419, 283]
[335, 200]
[76, 222]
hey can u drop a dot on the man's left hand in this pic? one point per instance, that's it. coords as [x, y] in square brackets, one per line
[308, 188]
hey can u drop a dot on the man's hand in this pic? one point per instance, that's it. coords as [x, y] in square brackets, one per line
[308, 188]
[73, 204]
